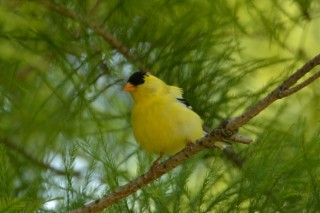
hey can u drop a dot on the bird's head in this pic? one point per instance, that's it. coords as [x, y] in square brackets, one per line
[142, 85]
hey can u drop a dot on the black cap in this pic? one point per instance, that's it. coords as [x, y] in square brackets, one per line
[137, 78]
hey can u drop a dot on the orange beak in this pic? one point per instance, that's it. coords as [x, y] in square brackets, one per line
[129, 87]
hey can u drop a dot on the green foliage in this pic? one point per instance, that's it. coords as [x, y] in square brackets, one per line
[65, 136]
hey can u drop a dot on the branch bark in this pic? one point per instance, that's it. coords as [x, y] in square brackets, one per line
[12, 146]
[283, 90]
[108, 37]
[225, 131]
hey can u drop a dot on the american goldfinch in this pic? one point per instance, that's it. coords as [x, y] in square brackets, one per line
[162, 120]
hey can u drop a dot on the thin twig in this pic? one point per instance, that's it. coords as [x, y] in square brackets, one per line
[157, 171]
[240, 139]
[10, 145]
[96, 5]
[276, 94]
[235, 157]
[223, 132]
[108, 37]
[300, 86]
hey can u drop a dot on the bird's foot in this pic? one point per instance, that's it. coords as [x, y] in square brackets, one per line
[190, 145]
[156, 163]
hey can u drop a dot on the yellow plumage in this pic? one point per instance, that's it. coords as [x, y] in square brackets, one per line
[161, 122]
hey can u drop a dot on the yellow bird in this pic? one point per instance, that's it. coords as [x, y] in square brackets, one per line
[162, 120]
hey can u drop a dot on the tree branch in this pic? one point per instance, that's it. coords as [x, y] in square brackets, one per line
[9, 144]
[108, 37]
[300, 86]
[281, 91]
[223, 132]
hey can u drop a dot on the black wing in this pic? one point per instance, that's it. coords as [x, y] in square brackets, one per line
[185, 102]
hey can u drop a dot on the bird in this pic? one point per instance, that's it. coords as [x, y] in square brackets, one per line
[163, 122]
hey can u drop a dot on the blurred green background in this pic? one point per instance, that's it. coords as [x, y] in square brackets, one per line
[65, 133]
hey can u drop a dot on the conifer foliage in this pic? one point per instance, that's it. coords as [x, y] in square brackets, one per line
[65, 132]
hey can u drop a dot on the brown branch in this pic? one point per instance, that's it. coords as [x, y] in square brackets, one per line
[10, 145]
[108, 37]
[157, 171]
[224, 132]
[276, 94]
[233, 156]
[235, 138]
[94, 8]
[300, 86]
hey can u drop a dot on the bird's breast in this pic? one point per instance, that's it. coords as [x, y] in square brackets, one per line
[164, 126]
